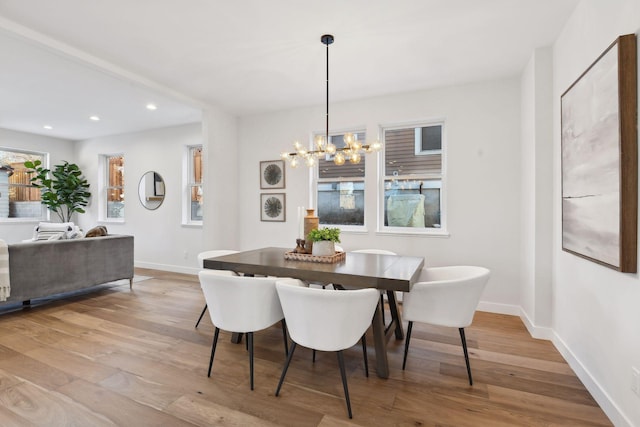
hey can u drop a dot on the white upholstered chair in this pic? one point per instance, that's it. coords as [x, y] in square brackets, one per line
[212, 254]
[326, 320]
[243, 305]
[445, 296]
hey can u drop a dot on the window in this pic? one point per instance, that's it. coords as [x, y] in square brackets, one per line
[18, 199]
[340, 189]
[413, 177]
[193, 208]
[114, 186]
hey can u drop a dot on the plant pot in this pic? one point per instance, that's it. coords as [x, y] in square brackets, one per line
[323, 248]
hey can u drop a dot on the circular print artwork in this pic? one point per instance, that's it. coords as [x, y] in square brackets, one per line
[273, 207]
[272, 174]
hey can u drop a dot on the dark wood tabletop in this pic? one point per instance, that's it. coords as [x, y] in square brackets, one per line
[359, 270]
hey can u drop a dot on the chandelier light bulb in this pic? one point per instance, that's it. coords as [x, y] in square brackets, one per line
[294, 162]
[330, 149]
[355, 158]
[356, 145]
[284, 155]
[310, 161]
[338, 159]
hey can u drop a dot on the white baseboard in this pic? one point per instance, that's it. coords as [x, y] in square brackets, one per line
[167, 267]
[609, 407]
[494, 307]
[538, 332]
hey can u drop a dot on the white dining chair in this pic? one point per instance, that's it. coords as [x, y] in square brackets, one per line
[326, 320]
[445, 296]
[212, 254]
[378, 252]
[243, 305]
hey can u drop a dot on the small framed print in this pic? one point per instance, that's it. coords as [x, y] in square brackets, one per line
[272, 174]
[272, 207]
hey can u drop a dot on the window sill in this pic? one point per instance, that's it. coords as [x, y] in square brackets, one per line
[441, 234]
[23, 220]
[192, 224]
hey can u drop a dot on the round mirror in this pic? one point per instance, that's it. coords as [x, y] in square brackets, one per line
[151, 190]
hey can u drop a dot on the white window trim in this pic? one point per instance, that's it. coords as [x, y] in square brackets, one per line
[186, 186]
[418, 151]
[103, 181]
[315, 179]
[443, 231]
[45, 213]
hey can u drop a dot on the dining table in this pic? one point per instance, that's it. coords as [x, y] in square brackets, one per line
[356, 270]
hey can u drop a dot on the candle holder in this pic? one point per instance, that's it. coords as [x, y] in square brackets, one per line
[300, 247]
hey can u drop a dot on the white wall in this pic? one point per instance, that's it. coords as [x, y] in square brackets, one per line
[536, 199]
[483, 181]
[596, 309]
[58, 149]
[161, 241]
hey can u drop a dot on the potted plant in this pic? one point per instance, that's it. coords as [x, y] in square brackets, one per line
[324, 240]
[64, 189]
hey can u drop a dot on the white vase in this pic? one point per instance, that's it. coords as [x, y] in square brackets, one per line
[323, 248]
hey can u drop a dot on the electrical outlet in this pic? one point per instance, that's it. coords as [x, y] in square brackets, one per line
[635, 381]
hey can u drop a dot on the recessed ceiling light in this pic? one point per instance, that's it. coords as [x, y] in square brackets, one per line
[152, 106]
[94, 118]
[47, 127]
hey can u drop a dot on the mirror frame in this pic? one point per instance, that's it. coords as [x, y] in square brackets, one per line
[144, 201]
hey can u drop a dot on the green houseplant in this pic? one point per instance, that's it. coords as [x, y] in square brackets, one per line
[324, 234]
[64, 189]
[324, 240]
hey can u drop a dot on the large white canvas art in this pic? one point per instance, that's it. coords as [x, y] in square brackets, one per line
[591, 163]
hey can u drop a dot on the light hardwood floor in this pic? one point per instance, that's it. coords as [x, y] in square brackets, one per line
[134, 358]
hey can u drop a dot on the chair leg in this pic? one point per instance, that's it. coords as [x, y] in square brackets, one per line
[406, 344]
[250, 343]
[286, 366]
[213, 349]
[284, 334]
[204, 310]
[384, 322]
[313, 359]
[466, 354]
[344, 382]
[364, 353]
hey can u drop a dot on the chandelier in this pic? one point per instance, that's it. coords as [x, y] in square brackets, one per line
[323, 147]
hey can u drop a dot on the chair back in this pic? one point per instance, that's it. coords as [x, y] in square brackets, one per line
[239, 303]
[326, 320]
[212, 254]
[445, 296]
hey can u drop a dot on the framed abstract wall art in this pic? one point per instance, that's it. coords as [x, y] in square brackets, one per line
[272, 174]
[600, 160]
[272, 207]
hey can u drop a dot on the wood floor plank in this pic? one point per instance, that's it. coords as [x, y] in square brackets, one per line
[133, 357]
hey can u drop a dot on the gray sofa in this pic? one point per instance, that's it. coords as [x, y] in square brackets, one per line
[40, 269]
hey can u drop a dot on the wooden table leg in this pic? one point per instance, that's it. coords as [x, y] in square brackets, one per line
[236, 337]
[380, 340]
[395, 314]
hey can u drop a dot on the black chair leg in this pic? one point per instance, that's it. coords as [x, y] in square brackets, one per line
[204, 310]
[284, 334]
[250, 343]
[344, 382]
[466, 354]
[286, 366]
[406, 344]
[364, 353]
[384, 322]
[313, 359]
[213, 349]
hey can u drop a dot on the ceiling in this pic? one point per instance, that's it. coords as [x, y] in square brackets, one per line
[247, 57]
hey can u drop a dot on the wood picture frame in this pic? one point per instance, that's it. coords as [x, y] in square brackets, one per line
[273, 207]
[600, 160]
[272, 174]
